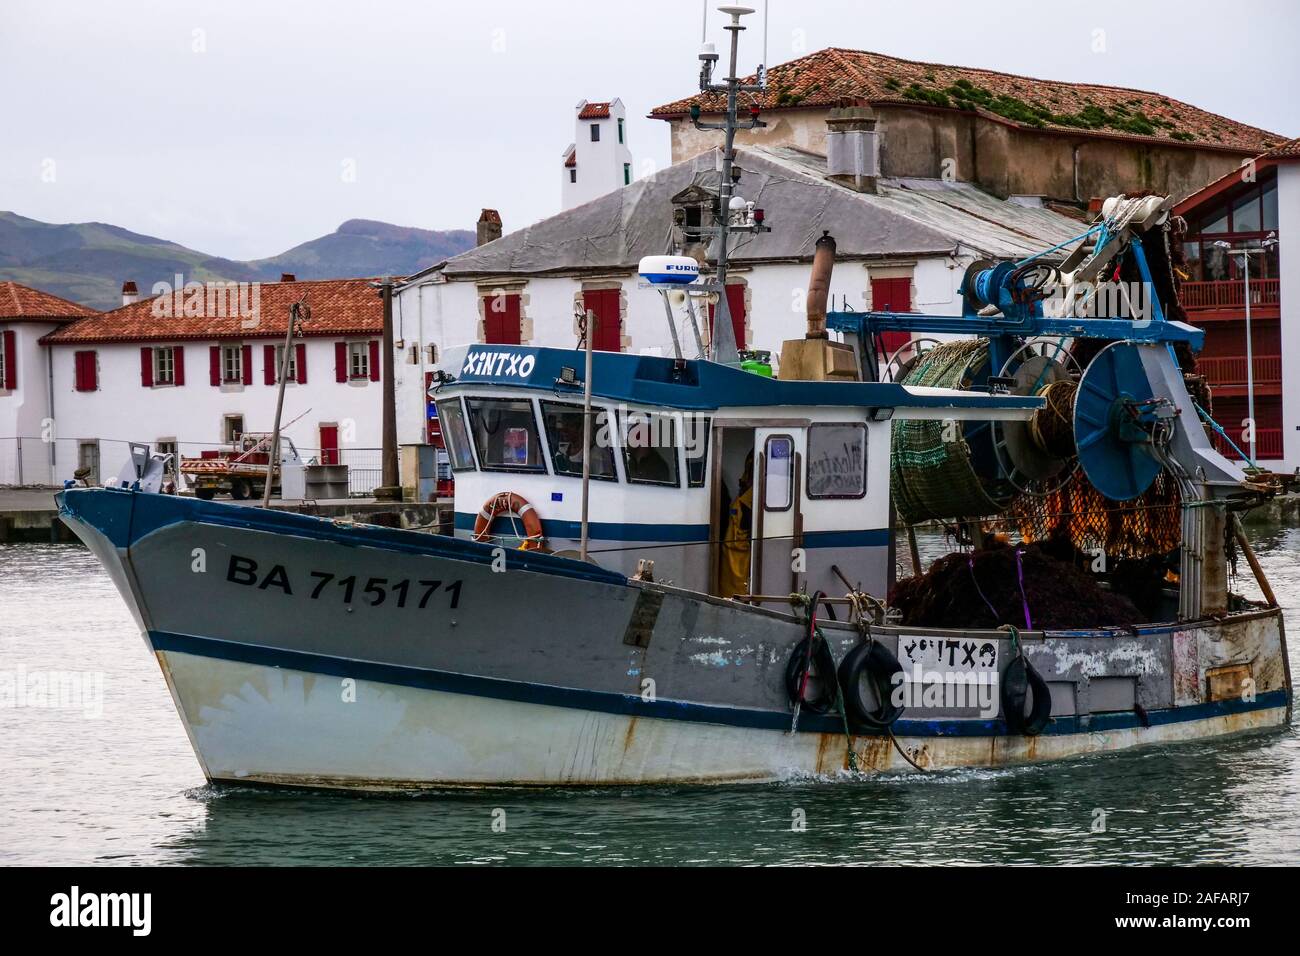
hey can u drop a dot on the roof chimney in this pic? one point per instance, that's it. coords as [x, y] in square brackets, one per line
[288, 277]
[853, 148]
[130, 293]
[489, 226]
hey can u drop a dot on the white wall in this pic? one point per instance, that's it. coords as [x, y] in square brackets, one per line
[1288, 233]
[123, 410]
[599, 165]
[24, 410]
[447, 314]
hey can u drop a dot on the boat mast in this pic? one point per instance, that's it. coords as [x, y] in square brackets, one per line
[723, 346]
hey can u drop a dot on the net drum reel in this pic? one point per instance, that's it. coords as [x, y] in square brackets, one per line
[1121, 429]
[1037, 457]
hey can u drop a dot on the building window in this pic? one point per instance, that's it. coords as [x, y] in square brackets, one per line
[86, 369]
[358, 360]
[837, 460]
[169, 446]
[88, 459]
[573, 174]
[606, 305]
[232, 364]
[627, 173]
[232, 426]
[293, 363]
[595, 132]
[164, 366]
[620, 131]
[8, 361]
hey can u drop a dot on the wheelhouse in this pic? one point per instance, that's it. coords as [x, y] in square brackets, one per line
[730, 482]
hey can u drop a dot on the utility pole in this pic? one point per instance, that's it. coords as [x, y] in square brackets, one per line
[390, 484]
[296, 315]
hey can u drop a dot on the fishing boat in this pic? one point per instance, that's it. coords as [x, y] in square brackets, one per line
[672, 570]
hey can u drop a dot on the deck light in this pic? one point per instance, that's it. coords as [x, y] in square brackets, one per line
[568, 376]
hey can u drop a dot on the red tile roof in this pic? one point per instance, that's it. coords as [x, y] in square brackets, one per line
[19, 303]
[835, 76]
[338, 307]
[1288, 150]
[594, 111]
[571, 157]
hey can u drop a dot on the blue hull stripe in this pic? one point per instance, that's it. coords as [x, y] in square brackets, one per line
[634, 706]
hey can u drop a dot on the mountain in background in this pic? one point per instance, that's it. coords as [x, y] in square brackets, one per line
[88, 262]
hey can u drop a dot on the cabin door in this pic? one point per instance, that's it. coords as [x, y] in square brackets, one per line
[777, 564]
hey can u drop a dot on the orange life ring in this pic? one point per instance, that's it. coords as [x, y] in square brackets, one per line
[507, 502]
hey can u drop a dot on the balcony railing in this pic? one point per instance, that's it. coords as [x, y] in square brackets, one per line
[1231, 369]
[1268, 444]
[1230, 294]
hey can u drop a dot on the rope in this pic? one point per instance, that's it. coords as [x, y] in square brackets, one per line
[1020, 579]
[1224, 435]
[970, 563]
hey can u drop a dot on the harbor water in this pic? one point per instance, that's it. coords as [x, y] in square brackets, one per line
[107, 776]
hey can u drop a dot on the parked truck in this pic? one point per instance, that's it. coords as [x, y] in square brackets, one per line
[239, 471]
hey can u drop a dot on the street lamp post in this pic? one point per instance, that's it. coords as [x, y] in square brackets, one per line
[1246, 252]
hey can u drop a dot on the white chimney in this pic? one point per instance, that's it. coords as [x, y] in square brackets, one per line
[853, 148]
[130, 293]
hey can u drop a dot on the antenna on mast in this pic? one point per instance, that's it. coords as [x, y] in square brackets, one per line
[731, 212]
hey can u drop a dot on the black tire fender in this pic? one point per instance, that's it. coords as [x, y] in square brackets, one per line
[1022, 683]
[875, 662]
[822, 677]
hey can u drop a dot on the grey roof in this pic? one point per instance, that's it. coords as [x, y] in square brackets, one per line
[908, 217]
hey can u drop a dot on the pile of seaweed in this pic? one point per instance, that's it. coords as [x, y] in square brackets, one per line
[981, 589]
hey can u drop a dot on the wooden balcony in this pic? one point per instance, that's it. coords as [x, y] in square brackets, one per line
[1206, 296]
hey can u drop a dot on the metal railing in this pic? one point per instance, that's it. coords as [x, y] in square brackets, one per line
[1231, 369]
[1229, 294]
[1268, 445]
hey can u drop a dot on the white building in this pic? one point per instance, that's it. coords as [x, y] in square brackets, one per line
[902, 245]
[598, 160]
[188, 371]
[25, 316]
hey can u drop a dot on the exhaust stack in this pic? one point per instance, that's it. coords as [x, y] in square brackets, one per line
[819, 286]
[815, 358]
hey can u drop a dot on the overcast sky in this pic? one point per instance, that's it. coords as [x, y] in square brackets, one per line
[232, 126]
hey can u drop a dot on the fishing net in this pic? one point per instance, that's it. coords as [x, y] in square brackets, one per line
[932, 472]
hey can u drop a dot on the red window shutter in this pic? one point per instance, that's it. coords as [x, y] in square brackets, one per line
[78, 367]
[11, 360]
[374, 361]
[301, 362]
[248, 364]
[736, 306]
[146, 367]
[214, 364]
[178, 364]
[603, 303]
[340, 361]
[268, 364]
[502, 319]
[87, 372]
[892, 295]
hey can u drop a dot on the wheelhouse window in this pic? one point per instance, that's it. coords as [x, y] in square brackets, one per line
[358, 360]
[164, 365]
[650, 448]
[837, 460]
[505, 434]
[695, 442]
[451, 417]
[232, 364]
[563, 424]
[778, 481]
